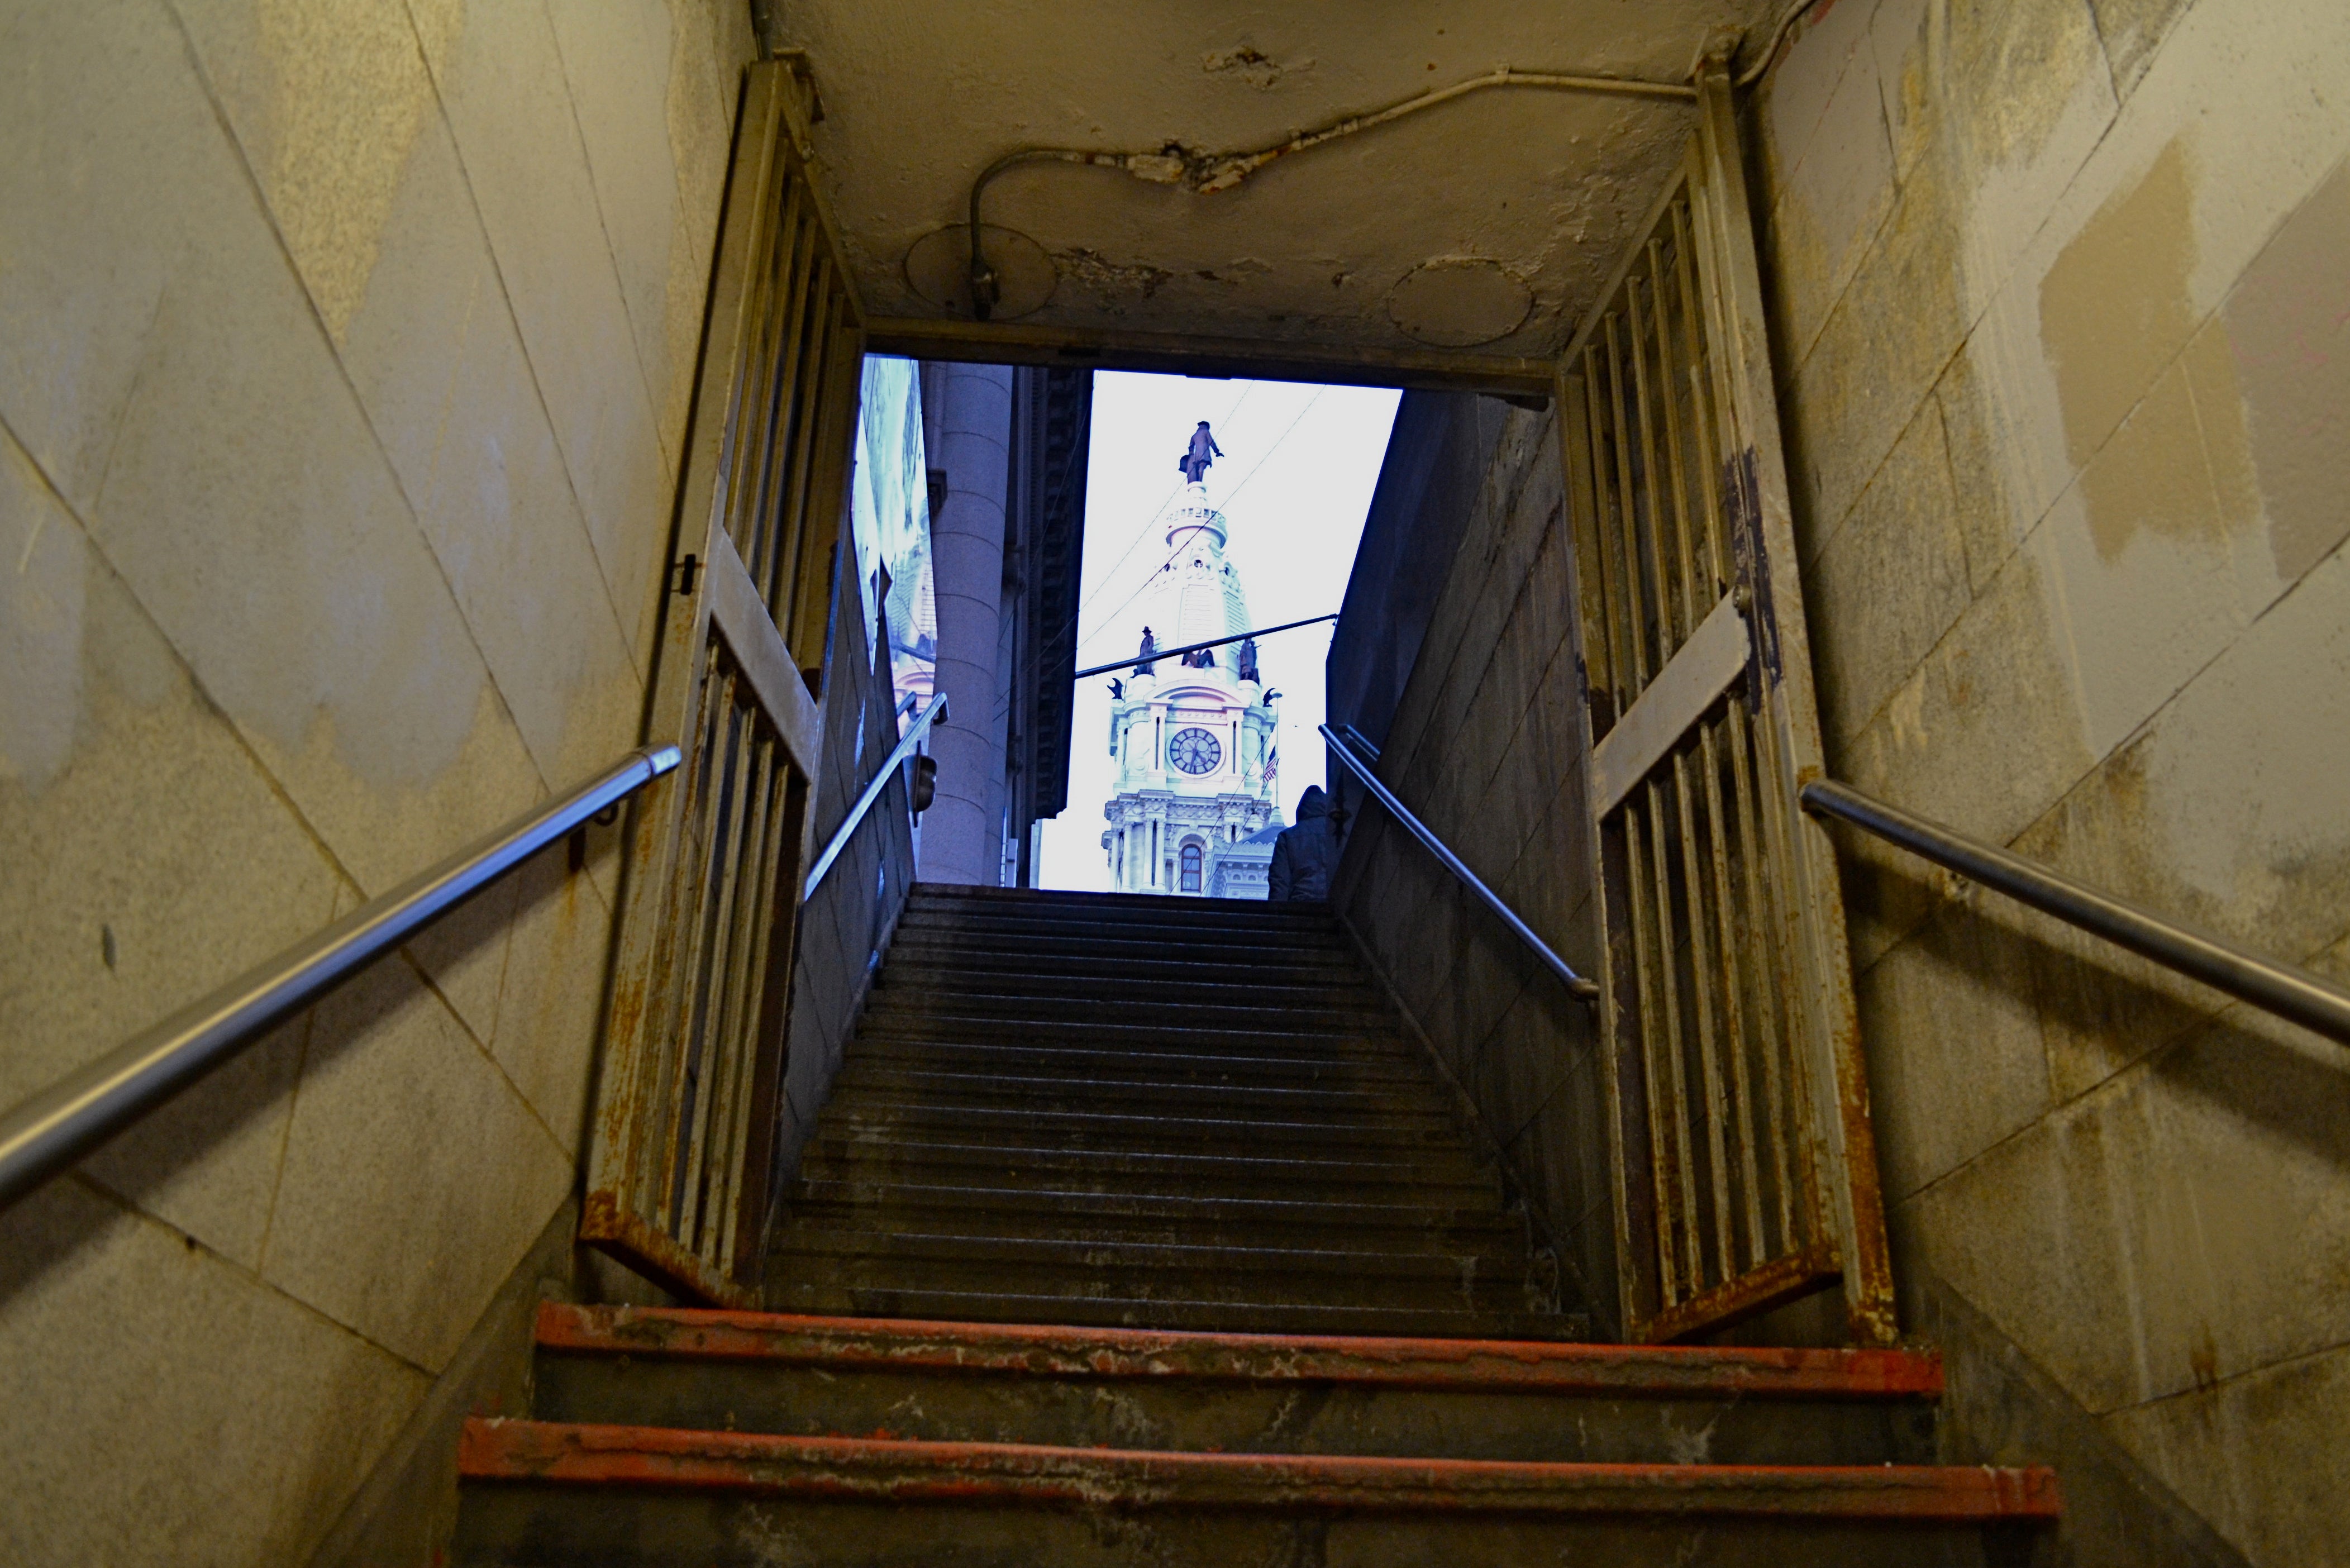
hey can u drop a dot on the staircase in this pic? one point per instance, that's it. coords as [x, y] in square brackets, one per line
[1136, 1233]
[1135, 1110]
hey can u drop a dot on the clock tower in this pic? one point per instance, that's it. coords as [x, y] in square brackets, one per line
[1192, 734]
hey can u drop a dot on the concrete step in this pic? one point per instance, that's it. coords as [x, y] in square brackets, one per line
[1060, 1213]
[1430, 1146]
[936, 979]
[964, 895]
[1139, 913]
[1255, 1175]
[865, 1084]
[1233, 1393]
[1339, 971]
[1128, 941]
[1172, 924]
[1162, 1313]
[883, 1052]
[1231, 1010]
[812, 1268]
[548, 1492]
[1308, 1044]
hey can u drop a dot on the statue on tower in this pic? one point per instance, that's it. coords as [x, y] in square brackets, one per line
[1202, 452]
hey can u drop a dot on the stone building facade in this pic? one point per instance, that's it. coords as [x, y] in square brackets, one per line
[1192, 733]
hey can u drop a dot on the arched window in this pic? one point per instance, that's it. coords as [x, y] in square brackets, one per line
[1190, 868]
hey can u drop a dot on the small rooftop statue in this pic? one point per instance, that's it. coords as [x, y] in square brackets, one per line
[1202, 452]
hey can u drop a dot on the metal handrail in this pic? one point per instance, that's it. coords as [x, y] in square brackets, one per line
[53, 1129]
[1586, 990]
[2284, 989]
[881, 777]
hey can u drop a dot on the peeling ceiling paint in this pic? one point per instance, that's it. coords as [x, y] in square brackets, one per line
[1545, 187]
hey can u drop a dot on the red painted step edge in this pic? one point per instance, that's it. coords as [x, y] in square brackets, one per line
[1023, 1474]
[1036, 1350]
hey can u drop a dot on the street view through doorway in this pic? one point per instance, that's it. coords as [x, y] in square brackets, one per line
[1266, 537]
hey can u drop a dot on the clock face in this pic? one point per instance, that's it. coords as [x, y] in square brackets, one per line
[1195, 750]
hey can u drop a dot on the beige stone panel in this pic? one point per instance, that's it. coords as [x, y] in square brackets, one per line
[2184, 1224]
[1987, 731]
[206, 1161]
[437, 362]
[463, 955]
[415, 301]
[2034, 1230]
[2261, 1457]
[618, 60]
[1889, 582]
[1878, 356]
[551, 1001]
[250, 511]
[162, 1406]
[2288, 333]
[1952, 1037]
[2114, 310]
[1838, 189]
[711, 46]
[1887, 893]
[327, 102]
[1899, 39]
[1799, 89]
[42, 604]
[2262, 89]
[1975, 439]
[2021, 98]
[415, 1176]
[97, 942]
[2132, 30]
[2149, 577]
[2225, 1158]
[518, 137]
[2230, 810]
[116, 166]
[2247, 105]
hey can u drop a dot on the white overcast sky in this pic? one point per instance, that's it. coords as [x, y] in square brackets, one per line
[1293, 483]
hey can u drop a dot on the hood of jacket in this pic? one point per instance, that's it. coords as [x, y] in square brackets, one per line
[1313, 804]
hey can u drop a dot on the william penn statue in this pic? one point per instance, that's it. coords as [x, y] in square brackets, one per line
[1203, 451]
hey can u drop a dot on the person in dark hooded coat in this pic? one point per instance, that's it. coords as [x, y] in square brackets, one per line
[1305, 856]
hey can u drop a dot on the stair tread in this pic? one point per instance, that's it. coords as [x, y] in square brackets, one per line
[799, 1238]
[1114, 1353]
[572, 1454]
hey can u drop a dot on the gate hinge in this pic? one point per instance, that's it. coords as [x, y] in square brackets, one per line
[682, 573]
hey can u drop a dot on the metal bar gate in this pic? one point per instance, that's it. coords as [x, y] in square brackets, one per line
[1744, 1168]
[685, 1105]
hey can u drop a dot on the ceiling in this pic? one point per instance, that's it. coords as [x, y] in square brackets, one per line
[1489, 220]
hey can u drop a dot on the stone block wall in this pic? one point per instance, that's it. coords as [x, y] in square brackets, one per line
[345, 353]
[2063, 329]
[1482, 746]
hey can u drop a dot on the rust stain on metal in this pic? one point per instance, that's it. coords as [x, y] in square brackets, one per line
[1023, 1474]
[1057, 1352]
[1757, 1291]
[608, 1225]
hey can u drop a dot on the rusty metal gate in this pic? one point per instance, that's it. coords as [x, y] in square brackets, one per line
[1744, 1168]
[685, 1102]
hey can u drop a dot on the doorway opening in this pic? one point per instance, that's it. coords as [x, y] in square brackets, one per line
[1214, 509]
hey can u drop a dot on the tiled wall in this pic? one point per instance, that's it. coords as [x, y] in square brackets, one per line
[2064, 345]
[344, 360]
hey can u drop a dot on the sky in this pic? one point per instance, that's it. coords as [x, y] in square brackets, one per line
[1293, 486]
